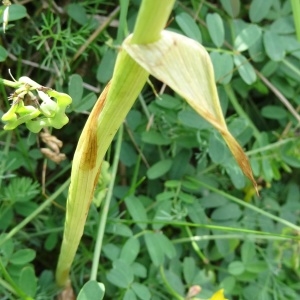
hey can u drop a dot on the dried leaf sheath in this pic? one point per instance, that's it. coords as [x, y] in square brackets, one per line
[185, 66]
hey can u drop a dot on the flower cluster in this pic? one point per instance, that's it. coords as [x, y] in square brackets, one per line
[36, 106]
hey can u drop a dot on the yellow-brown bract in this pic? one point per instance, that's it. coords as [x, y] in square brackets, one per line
[185, 66]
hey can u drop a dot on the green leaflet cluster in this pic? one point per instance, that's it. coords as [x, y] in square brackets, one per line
[36, 106]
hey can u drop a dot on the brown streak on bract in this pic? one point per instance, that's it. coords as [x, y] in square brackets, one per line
[89, 153]
[90, 147]
[241, 158]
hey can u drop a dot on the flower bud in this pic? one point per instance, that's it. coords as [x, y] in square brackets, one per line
[30, 82]
[5, 18]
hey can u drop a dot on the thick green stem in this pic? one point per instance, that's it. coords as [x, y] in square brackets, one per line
[152, 18]
[103, 123]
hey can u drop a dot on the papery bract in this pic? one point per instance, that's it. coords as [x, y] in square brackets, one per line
[185, 66]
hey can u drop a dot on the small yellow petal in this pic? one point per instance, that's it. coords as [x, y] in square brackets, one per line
[219, 295]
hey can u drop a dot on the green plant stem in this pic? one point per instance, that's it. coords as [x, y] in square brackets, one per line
[231, 95]
[57, 175]
[168, 286]
[144, 107]
[13, 84]
[247, 232]
[196, 247]
[135, 174]
[44, 205]
[105, 208]
[5, 153]
[296, 13]
[250, 206]
[271, 146]
[13, 285]
[253, 237]
[152, 18]
[7, 286]
[291, 66]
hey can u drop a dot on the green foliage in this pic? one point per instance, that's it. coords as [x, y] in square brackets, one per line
[169, 229]
[18, 198]
[215, 28]
[92, 290]
[188, 26]
[20, 190]
[65, 43]
[76, 91]
[16, 270]
[3, 54]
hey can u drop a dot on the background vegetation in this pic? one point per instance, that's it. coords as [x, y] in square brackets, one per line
[182, 214]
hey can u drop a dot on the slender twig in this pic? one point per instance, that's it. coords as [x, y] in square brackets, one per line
[51, 70]
[31, 63]
[288, 126]
[279, 95]
[94, 35]
[136, 146]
